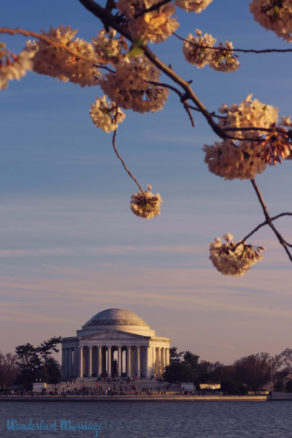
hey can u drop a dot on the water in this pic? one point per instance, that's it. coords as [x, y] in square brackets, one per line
[147, 420]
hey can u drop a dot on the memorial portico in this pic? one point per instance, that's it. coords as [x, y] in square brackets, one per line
[114, 342]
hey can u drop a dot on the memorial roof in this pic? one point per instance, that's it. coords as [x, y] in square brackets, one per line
[116, 317]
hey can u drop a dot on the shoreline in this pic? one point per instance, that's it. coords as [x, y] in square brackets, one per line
[119, 398]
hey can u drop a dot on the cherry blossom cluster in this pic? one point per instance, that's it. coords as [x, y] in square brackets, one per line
[145, 204]
[129, 86]
[199, 50]
[231, 258]
[276, 146]
[193, 5]
[275, 15]
[106, 115]
[154, 26]
[231, 161]
[109, 48]
[195, 48]
[223, 58]
[13, 66]
[250, 149]
[54, 60]
[248, 114]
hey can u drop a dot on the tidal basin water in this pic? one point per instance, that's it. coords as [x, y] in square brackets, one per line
[146, 420]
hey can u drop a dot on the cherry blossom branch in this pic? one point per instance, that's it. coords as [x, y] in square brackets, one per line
[123, 162]
[276, 129]
[197, 109]
[115, 22]
[259, 51]
[47, 40]
[189, 94]
[170, 87]
[102, 13]
[253, 128]
[106, 17]
[181, 96]
[269, 221]
[152, 8]
[189, 114]
[262, 225]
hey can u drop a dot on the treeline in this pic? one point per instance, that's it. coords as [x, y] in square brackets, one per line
[30, 364]
[250, 373]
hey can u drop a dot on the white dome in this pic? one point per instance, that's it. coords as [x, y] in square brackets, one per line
[116, 319]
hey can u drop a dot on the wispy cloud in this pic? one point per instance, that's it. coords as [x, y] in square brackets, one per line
[86, 251]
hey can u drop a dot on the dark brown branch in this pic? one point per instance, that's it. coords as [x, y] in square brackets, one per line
[255, 139]
[181, 96]
[170, 87]
[262, 225]
[106, 17]
[189, 114]
[281, 215]
[189, 93]
[123, 162]
[280, 238]
[195, 109]
[252, 128]
[152, 8]
[260, 51]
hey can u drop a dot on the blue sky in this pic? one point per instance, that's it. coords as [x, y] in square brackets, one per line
[71, 247]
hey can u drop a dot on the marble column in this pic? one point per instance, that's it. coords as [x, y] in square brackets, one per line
[147, 360]
[99, 355]
[81, 361]
[154, 361]
[138, 362]
[76, 371]
[162, 360]
[63, 363]
[128, 364]
[166, 357]
[70, 362]
[67, 363]
[119, 361]
[109, 361]
[90, 361]
[159, 361]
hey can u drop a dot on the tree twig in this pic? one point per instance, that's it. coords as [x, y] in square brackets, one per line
[51, 42]
[181, 96]
[123, 162]
[280, 238]
[260, 51]
[152, 8]
[262, 225]
[170, 87]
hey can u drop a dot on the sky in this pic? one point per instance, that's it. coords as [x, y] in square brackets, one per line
[71, 247]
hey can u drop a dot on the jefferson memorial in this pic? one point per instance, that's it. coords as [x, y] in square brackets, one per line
[114, 342]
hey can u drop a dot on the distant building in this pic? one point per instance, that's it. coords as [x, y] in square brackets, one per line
[114, 342]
